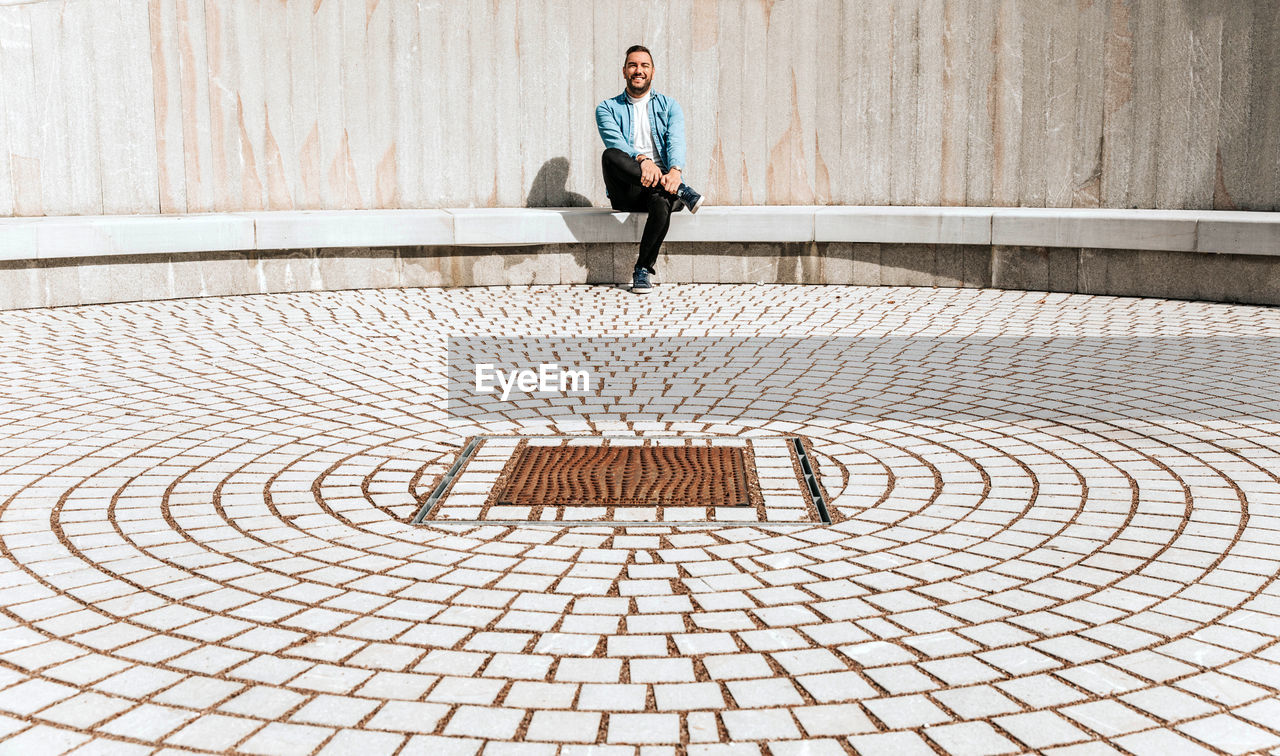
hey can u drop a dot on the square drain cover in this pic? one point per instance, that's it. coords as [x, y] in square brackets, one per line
[624, 480]
[626, 476]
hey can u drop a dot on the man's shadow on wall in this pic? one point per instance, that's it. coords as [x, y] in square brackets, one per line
[549, 190]
[597, 254]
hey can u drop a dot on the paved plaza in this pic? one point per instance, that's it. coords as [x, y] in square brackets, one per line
[1055, 528]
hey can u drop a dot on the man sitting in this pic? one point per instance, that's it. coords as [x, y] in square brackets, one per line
[643, 134]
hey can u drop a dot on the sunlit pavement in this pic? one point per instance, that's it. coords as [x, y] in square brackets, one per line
[1059, 527]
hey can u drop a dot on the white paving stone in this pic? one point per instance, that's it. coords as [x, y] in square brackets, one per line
[1056, 524]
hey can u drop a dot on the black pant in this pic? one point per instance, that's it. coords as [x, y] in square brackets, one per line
[622, 180]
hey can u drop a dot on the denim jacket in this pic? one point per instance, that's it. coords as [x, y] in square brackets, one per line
[666, 120]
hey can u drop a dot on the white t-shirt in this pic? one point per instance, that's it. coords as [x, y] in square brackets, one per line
[642, 136]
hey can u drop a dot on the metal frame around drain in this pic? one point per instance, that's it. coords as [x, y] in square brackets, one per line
[444, 483]
[810, 479]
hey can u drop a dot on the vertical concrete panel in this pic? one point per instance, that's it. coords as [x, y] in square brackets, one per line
[584, 181]
[1118, 105]
[902, 143]
[1173, 169]
[606, 81]
[1086, 151]
[337, 174]
[197, 138]
[880, 152]
[166, 77]
[67, 113]
[677, 74]
[1271, 123]
[281, 178]
[957, 46]
[1063, 45]
[18, 110]
[929, 103]
[406, 106]
[357, 100]
[251, 101]
[1206, 103]
[848, 264]
[1033, 155]
[1231, 158]
[1145, 126]
[701, 87]
[849, 170]
[20, 283]
[981, 92]
[224, 128]
[531, 115]
[948, 265]
[382, 117]
[430, 80]
[1007, 117]
[1262, 188]
[829, 94]
[304, 171]
[779, 116]
[6, 162]
[59, 283]
[651, 20]
[1020, 268]
[553, 142]
[907, 264]
[508, 143]
[977, 266]
[1064, 269]
[88, 104]
[728, 160]
[754, 91]
[804, 36]
[143, 195]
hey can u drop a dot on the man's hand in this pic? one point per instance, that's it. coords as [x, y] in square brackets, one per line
[671, 182]
[650, 174]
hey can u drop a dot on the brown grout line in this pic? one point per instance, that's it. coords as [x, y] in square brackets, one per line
[1036, 633]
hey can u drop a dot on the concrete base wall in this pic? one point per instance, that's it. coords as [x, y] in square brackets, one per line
[1175, 275]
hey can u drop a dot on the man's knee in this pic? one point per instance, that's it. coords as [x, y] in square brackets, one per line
[612, 156]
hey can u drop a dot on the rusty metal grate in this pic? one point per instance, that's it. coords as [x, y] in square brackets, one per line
[622, 476]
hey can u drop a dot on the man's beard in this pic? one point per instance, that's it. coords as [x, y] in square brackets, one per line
[631, 90]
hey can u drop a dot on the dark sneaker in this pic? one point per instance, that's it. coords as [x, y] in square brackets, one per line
[690, 198]
[653, 277]
[640, 283]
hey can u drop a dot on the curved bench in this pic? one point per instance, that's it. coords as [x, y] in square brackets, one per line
[1224, 255]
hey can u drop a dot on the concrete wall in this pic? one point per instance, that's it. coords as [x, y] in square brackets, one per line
[172, 106]
[1251, 279]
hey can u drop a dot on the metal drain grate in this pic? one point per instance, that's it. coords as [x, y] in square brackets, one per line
[626, 476]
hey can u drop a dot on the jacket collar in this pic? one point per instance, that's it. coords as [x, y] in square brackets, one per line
[621, 99]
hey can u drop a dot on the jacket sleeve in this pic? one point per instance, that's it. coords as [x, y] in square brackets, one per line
[675, 135]
[611, 130]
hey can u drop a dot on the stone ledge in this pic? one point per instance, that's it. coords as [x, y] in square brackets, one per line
[903, 225]
[303, 229]
[1217, 232]
[1101, 228]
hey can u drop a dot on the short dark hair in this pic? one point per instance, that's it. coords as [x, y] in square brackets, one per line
[638, 48]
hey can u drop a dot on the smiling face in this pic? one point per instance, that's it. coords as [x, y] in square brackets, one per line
[638, 71]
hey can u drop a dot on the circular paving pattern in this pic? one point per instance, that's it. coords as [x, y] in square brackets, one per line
[1062, 531]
